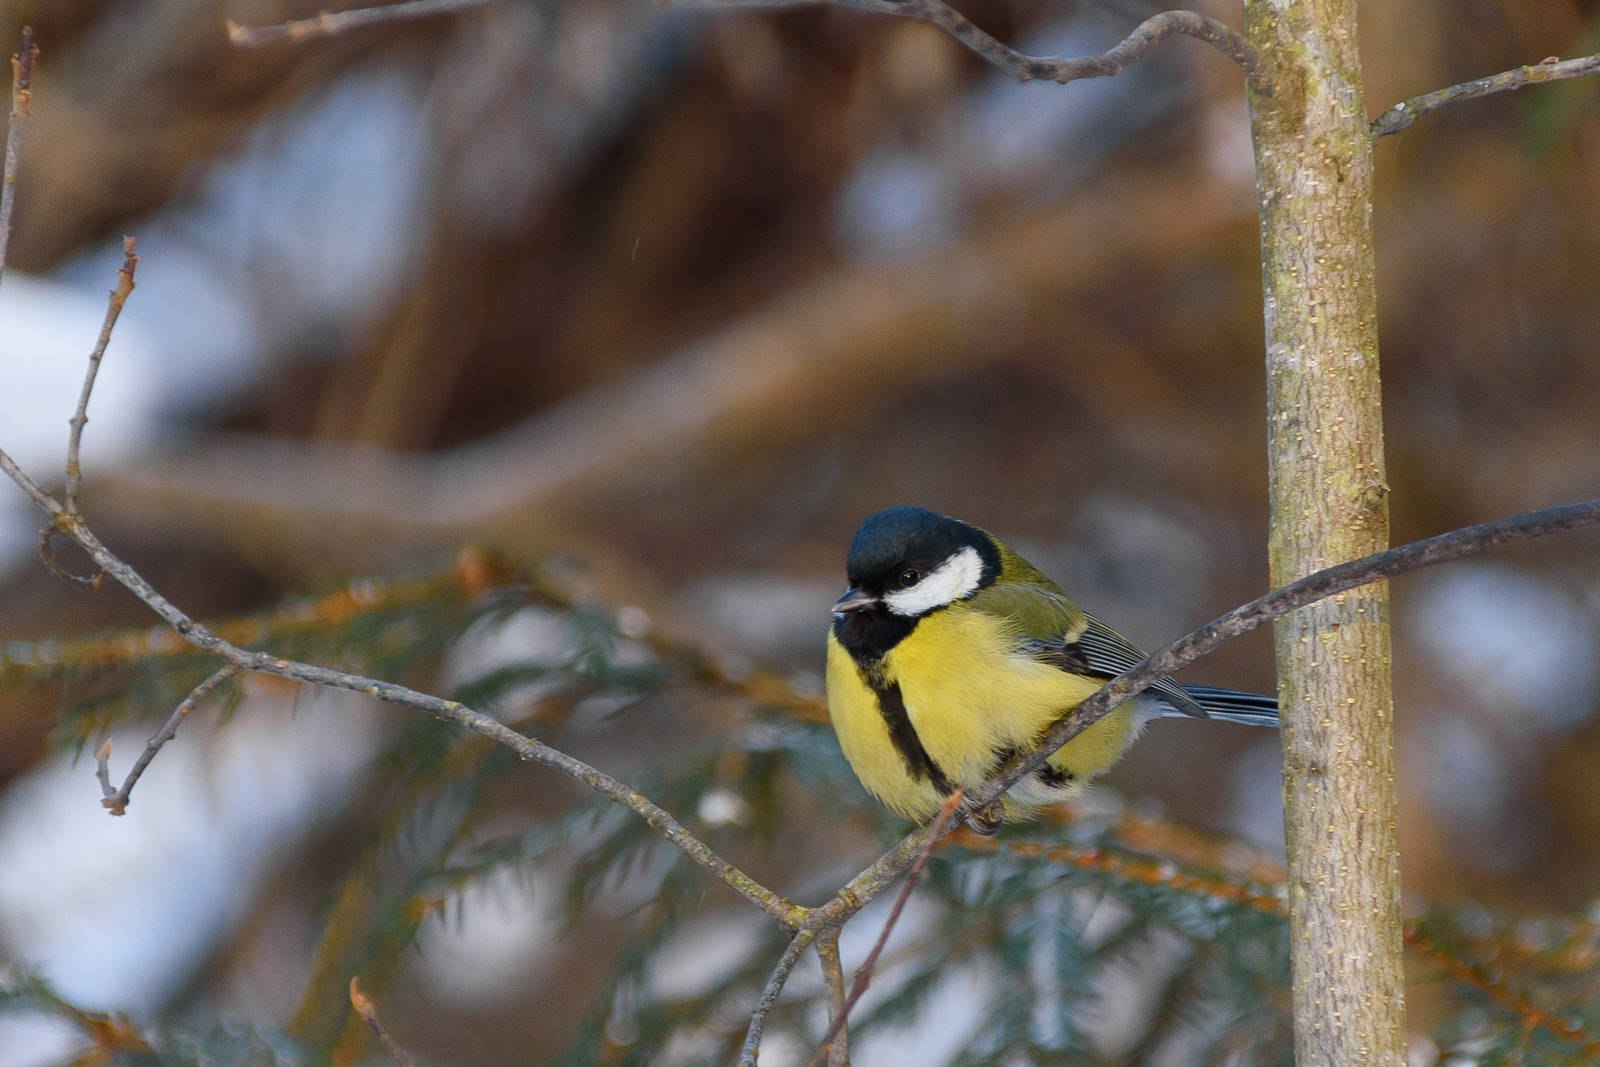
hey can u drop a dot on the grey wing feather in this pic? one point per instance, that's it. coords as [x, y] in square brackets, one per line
[1101, 651]
[1230, 705]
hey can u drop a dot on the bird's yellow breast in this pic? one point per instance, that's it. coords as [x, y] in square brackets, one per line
[971, 695]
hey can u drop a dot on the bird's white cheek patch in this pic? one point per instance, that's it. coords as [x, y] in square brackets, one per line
[953, 579]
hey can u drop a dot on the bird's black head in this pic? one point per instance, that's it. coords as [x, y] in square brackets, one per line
[904, 564]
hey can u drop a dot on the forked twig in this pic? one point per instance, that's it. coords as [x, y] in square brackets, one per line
[863, 979]
[116, 800]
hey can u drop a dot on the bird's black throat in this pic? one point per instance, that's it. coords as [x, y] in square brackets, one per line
[869, 635]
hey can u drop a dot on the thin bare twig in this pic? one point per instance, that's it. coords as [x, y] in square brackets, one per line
[47, 555]
[21, 109]
[830, 916]
[769, 995]
[1060, 69]
[1025, 68]
[369, 1012]
[80, 418]
[102, 768]
[941, 823]
[116, 801]
[328, 23]
[833, 979]
[1406, 112]
[526, 748]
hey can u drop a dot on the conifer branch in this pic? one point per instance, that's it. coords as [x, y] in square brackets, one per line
[69, 523]
[472, 574]
[1498, 989]
[526, 748]
[1266, 897]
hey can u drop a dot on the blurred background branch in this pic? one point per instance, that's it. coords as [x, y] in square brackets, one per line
[328, 23]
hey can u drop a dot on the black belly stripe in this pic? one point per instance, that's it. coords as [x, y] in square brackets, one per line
[892, 706]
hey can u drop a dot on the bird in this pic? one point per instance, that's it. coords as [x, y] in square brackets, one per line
[949, 653]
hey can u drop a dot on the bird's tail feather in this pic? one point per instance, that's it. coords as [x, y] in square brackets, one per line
[1230, 705]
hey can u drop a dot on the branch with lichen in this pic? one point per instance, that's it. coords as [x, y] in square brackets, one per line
[1406, 112]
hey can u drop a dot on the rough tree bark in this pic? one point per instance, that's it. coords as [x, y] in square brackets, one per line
[1328, 497]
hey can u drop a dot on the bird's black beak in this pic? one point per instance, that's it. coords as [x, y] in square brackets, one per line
[854, 600]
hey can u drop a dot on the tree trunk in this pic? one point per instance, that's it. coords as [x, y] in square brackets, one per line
[1328, 496]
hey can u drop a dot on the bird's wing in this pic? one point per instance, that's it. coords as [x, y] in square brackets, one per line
[1108, 653]
[1058, 632]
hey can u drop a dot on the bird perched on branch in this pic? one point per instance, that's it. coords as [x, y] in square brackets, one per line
[949, 653]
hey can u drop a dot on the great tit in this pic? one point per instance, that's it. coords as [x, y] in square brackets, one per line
[949, 653]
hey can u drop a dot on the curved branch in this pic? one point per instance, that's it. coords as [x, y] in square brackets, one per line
[1025, 68]
[116, 800]
[1059, 69]
[1406, 112]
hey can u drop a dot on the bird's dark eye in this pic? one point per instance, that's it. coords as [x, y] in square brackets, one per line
[909, 577]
